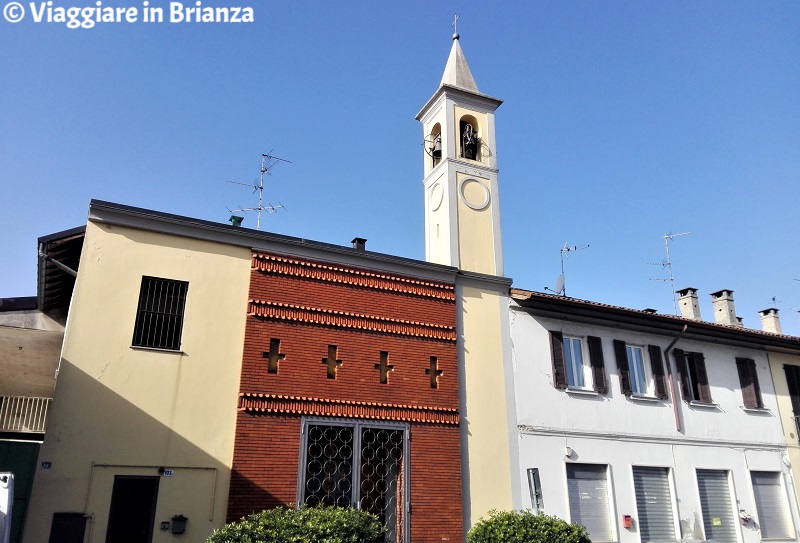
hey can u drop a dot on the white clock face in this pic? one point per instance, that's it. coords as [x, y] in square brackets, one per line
[436, 196]
[474, 193]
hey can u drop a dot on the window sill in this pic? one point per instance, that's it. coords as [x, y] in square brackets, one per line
[759, 410]
[641, 398]
[156, 349]
[703, 405]
[581, 391]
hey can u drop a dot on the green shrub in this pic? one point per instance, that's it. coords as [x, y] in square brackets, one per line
[525, 527]
[304, 525]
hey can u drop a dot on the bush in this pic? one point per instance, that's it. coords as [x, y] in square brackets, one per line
[525, 527]
[304, 525]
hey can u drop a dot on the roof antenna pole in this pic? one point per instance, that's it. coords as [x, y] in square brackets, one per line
[560, 282]
[668, 264]
[268, 161]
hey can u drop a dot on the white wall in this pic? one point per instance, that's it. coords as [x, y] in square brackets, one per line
[614, 430]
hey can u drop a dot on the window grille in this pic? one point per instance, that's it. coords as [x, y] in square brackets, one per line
[358, 465]
[159, 318]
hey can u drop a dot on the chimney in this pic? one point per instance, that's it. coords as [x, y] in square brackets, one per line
[770, 322]
[724, 312]
[687, 301]
[359, 244]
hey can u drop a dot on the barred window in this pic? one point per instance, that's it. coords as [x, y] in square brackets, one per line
[358, 465]
[159, 318]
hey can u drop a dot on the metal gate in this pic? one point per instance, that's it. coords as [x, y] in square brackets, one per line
[358, 465]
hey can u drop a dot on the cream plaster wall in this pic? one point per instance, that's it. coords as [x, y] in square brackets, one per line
[776, 362]
[475, 226]
[125, 411]
[487, 398]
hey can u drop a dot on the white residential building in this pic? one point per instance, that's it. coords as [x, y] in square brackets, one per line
[648, 427]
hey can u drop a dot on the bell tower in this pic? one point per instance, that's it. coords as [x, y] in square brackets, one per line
[462, 213]
[462, 229]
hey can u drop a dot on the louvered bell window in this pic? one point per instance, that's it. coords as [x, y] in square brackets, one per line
[654, 503]
[159, 318]
[773, 513]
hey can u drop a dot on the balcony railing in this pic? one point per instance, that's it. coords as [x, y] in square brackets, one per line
[22, 414]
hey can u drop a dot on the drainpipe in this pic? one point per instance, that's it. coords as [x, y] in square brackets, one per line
[58, 264]
[675, 402]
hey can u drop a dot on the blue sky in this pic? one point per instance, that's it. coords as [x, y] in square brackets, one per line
[622, 122]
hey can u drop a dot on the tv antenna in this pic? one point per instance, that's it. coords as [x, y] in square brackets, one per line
[268, 161]
[561, 288]
[668, 265]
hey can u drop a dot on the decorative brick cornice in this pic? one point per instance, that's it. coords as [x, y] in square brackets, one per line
[301, 405]
[355, 321]
[280, 265]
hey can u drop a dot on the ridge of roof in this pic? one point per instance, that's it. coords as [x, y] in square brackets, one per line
[522, 296]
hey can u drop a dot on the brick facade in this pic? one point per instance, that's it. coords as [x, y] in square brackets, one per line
[369, 316]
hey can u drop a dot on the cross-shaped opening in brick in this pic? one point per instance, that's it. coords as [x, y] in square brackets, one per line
[384, 367]
[274, 355]
[434, 372]
[331, 361]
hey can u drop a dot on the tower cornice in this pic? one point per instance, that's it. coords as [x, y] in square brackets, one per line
[474, 98]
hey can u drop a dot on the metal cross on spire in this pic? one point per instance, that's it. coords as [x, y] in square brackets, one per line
[456, 16]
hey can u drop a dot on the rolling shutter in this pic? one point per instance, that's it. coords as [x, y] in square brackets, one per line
[588, 500]
[653, 503]
[715, 501]
[773, 516]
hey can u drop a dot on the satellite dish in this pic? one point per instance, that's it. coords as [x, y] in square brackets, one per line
[559, 284]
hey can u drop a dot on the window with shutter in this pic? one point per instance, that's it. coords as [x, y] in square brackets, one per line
[793, 380]
[641, 370]
[587, 485]
[654, 503]
[748, 378]
[773, 513]
[575, 366]
[693, 377]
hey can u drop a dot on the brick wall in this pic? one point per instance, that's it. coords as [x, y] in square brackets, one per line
[267, 449]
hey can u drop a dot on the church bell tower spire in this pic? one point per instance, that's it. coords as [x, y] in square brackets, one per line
[462, 213]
